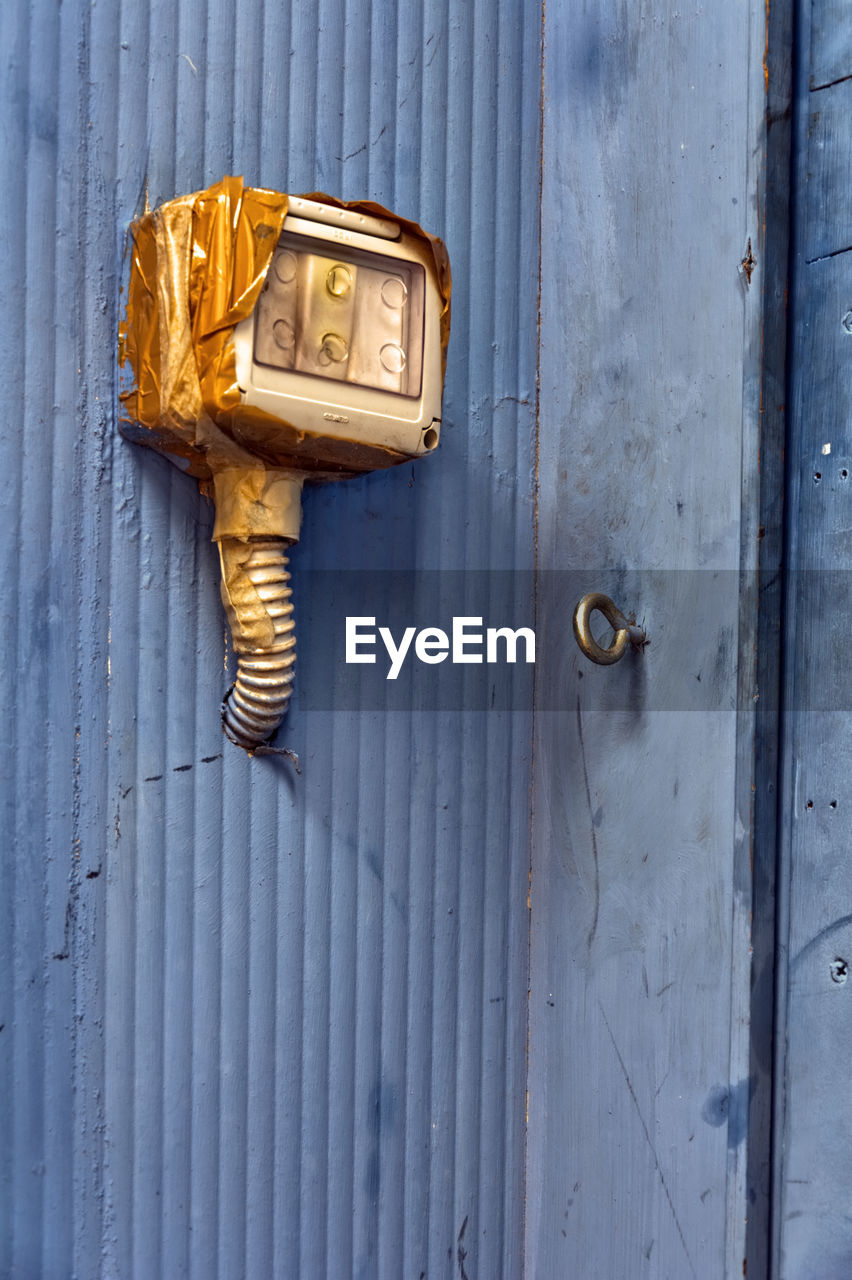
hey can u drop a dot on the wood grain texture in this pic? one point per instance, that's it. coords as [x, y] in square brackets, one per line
[830, 38]
[814, 1122]
[829, 173]
[256, 1024]
[650, 358]
[765, 1029]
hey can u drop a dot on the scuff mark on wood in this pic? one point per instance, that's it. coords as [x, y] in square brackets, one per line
[461, 1252]
[597, 881]
[648, 1139]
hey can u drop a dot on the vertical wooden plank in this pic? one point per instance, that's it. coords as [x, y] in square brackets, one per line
[14, 30]
[830, 42]
[767, 659]
[813, 1119]
[828, 221]
[650, 342]
[34, 1045]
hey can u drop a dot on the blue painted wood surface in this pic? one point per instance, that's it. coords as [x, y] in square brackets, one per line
[767, 820]
[252, 1023]
[813, 1234]
[259, 1024]
[649, 486]
[827, 31]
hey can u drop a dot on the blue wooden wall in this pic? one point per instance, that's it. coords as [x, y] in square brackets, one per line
[253, 1023]
[475, 995]
[813, 1233]
[649, 489]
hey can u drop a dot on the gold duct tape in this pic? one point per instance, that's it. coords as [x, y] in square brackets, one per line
[257, 503]
[197, 266]
[251, 626]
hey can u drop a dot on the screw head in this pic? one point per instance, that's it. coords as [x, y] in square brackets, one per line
[339, 281]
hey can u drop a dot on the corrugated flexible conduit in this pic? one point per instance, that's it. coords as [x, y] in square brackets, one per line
[255, 704]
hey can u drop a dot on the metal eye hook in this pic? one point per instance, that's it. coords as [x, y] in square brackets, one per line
[626, 632]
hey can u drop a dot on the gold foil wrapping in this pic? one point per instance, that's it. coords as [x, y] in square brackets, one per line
[198, 264]
[252, 628]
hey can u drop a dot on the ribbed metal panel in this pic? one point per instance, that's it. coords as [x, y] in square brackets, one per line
[254, 1024]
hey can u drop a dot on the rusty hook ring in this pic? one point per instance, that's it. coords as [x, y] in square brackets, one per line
[625, 630]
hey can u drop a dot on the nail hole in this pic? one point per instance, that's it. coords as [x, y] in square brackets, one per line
[810, 804]
[817, 477]
[844, 474]
[833, 804]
